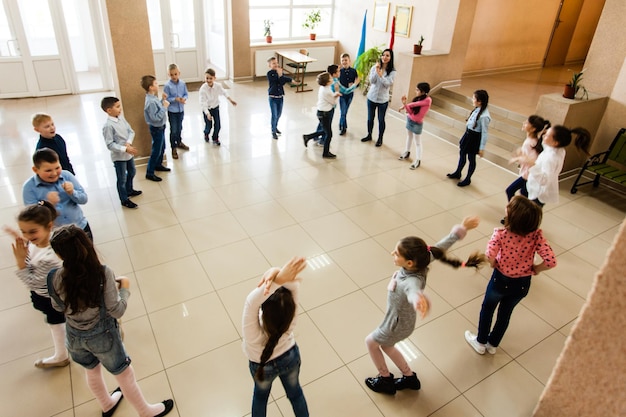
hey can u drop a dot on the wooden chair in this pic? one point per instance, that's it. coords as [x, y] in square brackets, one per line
[298, 69]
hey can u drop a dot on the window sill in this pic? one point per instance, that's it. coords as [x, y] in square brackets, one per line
[307, 42]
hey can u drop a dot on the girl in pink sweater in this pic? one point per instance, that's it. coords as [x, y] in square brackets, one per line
[415, 112]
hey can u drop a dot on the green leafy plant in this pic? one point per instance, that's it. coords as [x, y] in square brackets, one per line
[312, 19]
[576, 85]
[365, 62]
[267, 24]
[421, 40]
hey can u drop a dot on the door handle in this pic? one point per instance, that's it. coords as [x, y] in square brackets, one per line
[174, 40]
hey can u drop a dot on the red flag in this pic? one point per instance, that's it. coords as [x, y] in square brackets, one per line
[393, 32]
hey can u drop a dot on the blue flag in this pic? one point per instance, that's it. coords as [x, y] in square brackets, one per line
[362, 43]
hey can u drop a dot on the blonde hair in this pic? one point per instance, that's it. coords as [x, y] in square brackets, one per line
[39, 118]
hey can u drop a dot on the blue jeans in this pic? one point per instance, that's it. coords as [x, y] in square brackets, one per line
[344, 105]
[125, 172]
[518, 184]
[504, 293]
[176, 128]
[158, 148]
[276, 107]
[214, 124]
[101, 344]
[371, 110]
[287, 368]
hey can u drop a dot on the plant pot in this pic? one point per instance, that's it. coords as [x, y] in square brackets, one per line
[417, 49]
[569, 91]
[268, 39]
[312, 36]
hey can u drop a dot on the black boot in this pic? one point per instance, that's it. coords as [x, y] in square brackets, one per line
[455, 175]
[306, 139]
[410, 382]
[382, 384]
[379, 142]
[367, 138]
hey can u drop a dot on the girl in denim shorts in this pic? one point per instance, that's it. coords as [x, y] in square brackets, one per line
[87, 293]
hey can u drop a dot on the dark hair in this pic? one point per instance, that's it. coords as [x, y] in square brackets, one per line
[424, 88]
[323, 78]
[147, 81]
[563, 137]
[277, 313]
[82, 276]
[210, 71]
[541, 126]
[414, 249]
[523, 216]
[45, 155]
[483, 97]
[390, 66]
[332, 69]
[42, 213]
[108, 102]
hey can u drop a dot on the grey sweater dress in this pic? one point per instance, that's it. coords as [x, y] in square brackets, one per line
[400, 317]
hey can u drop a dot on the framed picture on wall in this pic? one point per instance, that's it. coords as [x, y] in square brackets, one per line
[404, 12]
[381, 15]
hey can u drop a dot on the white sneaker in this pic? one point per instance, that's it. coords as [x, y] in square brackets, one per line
[490, 349]
[471, 339]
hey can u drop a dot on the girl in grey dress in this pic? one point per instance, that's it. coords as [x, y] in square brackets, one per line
[405, 297]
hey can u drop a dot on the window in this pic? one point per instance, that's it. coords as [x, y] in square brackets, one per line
[287, 17]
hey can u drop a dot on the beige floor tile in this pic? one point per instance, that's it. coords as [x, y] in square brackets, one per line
[493, 397]
[21, 339]
[346, 194]
[213, 231]
[115, 255]
[381, 184]
[552, 302]
[104, 226]
[594, 251]
[187, 182]
[412, 205]
[183, 332]
[375, 217]
[148, 217]
[323, 281]
[458, 407]
[14, 292]
[563, 233]
[446, 194]
[241, 194]
[334, 231]
[307, 205]
[346, 322]
[541, 359]
[136, 306]
[284, 183]
[573, 273]
[588, 219]
[456, 286]
[320, 175]
[143, 253]
[281, 245]
[263, 217]
[365, 262]
[197, 205]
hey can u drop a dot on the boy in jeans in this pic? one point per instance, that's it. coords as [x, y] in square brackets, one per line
[48, 138]
[175, 91]
[118, 137]
[210, 93]
[155, 113]
[276, 79]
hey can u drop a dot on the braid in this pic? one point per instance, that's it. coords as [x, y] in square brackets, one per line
[267, 352]
[475, 260]
[483, 97]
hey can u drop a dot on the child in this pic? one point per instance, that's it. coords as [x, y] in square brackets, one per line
[415, 112]
[381, 78]
[404, 298]
[35, 258]
[326, 102]
[349, 79]
[175, 92]
[319, 135]
[475, 138]
[511, 252]
[85, 291]
[58, 187]
[543, 176]
[48, 138]
[269, 319]
[534, 127]
[118, 137]
[154, 111]
[276, 80]
[210, 93]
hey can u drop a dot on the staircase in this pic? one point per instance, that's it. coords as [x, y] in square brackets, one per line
[447, 116]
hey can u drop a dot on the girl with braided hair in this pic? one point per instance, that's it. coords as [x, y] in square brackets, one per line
[269, 318]
[404, 298]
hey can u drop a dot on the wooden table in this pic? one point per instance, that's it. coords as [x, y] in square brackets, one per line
[300, 68]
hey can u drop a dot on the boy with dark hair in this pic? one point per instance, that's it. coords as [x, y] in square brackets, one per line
[118, 137]
[155, 113]
[209, 95]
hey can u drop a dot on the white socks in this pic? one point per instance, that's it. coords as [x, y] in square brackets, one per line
[58, 339]
[412, 137]
[133, 394]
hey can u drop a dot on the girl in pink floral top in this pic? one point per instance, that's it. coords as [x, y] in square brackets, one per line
[511, 252]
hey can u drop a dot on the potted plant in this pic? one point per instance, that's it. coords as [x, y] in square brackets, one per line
[417, 48]
[267, 23]
[364, 64]
[574, 85]
[311, 21]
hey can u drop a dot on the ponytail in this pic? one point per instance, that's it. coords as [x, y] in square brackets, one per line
[475, 260]
[563, 136]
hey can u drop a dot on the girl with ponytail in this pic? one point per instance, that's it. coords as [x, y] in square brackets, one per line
[269, 317]
[404, 298]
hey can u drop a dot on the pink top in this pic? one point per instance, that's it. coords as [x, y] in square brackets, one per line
[514, 254]
[419, 117]
[530, 153]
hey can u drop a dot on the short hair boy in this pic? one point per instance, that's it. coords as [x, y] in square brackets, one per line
[118, 137]
[209, 94]
[175, 91]
[59, 187]
[155, 113]
[48, 138]
[276, 79]
[349, 80]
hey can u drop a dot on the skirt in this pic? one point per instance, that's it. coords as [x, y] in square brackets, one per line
[470, 142]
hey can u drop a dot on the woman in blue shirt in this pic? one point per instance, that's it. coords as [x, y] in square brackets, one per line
[381, 78]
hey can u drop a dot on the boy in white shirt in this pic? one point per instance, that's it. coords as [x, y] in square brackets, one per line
[210, 93]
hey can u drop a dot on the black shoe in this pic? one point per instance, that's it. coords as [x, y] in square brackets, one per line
[274, 135]
[162, 169]
[129, 204]
[454, 175]
[410, 382]
[306, 140]
[502, 221]
[329, 155]
[379, 142]
[112, 410]
[279, 132]
[135, 193]
[206, 137]
[169, 406]
[464, 183]
[367, 138]
[404, 155]
[382, 384]
[342, 132]
[216, 141]
[153, 177]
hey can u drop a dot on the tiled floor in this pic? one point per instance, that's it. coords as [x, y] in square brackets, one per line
[201, 238]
